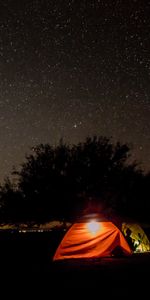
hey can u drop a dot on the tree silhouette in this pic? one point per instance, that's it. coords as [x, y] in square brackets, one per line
[57, 182]
[11, 203]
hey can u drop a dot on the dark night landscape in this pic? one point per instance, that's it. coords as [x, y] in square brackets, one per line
[27, 265]
[75, 143]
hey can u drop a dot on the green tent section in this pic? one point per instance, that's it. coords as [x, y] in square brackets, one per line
[136, 237]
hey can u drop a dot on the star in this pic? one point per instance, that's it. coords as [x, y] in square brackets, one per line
[70, 71]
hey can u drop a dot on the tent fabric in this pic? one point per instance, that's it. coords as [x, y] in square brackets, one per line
[82, 242]
[140, 240]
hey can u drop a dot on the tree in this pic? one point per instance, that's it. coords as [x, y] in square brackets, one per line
[57, 182]
[11, 204]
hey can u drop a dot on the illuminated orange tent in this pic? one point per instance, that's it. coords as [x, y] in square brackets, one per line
[91, 238]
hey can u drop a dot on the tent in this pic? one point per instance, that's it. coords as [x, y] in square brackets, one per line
[136, 237]
[92, 237]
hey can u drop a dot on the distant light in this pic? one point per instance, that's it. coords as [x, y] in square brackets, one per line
[22, 231]
[93, 227]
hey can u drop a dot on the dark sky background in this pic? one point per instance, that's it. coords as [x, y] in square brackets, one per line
[70, 69]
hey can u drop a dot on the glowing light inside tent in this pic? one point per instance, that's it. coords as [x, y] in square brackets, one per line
[93, 227]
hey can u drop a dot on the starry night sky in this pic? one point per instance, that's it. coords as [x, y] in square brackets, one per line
[72, 68]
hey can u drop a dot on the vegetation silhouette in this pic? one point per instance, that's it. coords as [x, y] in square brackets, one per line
[58, 182]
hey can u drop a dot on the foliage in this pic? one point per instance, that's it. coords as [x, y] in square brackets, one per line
[57, 182]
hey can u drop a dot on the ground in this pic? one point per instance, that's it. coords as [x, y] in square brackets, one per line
[26, 261]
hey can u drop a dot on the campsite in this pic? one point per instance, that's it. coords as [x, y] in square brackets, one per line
[75, 149]
[27, 260]
[47, 238]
